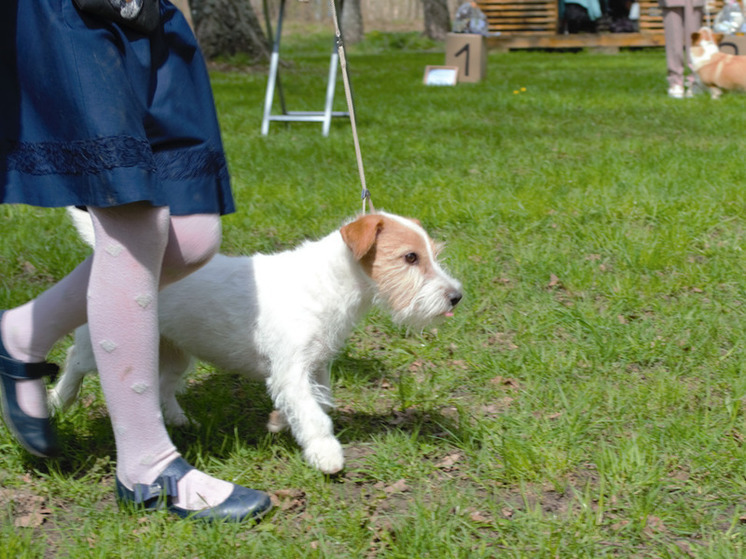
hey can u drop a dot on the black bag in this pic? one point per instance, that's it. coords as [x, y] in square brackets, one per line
[140, 15]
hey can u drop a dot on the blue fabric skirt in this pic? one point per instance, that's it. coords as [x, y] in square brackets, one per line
[94, 114]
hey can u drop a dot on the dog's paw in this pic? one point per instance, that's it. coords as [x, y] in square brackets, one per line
[277, 422]
[58, 401]
[54, 401]
[178, 420]
[175, 417]
[325, 454]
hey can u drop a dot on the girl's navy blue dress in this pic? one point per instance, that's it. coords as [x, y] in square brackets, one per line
[94, 114]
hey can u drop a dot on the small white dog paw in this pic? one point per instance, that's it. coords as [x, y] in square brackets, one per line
[178, 421]
[54, 402]
[277, 422]
[177, 418]
[325, 455]
[59, 402]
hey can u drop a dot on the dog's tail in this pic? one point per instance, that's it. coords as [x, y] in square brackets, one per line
[82, 221]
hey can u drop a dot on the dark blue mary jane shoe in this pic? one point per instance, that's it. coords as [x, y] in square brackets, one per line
[36, 434]
[242, 504]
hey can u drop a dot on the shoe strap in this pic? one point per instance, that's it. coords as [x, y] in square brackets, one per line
[17, 370]
[165, 486]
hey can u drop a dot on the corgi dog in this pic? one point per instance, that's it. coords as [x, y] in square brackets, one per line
[717, 70]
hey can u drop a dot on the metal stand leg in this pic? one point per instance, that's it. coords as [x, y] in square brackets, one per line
[328, 113]
[273, 82]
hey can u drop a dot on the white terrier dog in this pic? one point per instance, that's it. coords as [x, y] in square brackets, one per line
[283, 317]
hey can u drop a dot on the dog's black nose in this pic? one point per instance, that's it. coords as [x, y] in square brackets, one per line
[455, 298]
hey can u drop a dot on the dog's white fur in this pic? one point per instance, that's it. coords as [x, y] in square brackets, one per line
[283, 317]
[716, 70]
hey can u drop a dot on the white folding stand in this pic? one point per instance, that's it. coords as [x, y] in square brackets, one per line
[325, 116]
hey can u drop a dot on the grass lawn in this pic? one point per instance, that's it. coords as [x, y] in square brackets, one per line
[587, 400]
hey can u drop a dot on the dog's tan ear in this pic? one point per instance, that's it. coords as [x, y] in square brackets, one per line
[718, 37]
[360, 235]
[695, 37]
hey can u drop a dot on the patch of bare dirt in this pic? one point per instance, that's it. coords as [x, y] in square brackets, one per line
[26, 508]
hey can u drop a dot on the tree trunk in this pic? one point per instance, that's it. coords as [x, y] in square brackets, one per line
[228, 27]
[351, 21]
[437, 19]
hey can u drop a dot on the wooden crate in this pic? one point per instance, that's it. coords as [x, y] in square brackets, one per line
[523, 24]
[602, 42]
[651, 17]
[520, 16]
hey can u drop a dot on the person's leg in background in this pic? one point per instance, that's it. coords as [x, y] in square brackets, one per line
[692, 23]
[673, 27]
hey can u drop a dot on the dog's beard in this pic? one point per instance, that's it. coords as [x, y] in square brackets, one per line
[429, 305]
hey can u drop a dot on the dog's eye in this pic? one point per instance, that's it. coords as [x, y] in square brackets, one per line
[411, 258]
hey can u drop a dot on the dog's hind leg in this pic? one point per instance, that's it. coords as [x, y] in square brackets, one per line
[297, 397]
[79, 362]
[174, 363]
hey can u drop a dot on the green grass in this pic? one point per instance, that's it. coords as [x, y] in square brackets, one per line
[587, 400]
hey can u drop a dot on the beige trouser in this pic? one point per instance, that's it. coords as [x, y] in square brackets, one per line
[678, 28]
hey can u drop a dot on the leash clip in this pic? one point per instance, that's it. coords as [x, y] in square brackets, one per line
[365, 197]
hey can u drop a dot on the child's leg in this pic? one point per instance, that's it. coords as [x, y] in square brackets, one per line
[132, 244]
[192, 241]
[122, 316]
[29, 331]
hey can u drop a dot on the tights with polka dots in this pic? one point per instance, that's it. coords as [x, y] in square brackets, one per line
[138, 249]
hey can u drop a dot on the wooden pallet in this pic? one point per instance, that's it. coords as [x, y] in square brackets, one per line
[527, 24]
[526, 17]
[651, 16]
[603, 42]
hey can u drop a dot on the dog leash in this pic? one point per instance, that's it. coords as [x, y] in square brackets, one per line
[350, 105]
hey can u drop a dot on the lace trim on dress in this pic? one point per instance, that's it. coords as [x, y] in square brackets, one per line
[190, 163]
[78, 157]
[90, 157]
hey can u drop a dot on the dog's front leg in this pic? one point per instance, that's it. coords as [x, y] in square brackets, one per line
[173, 364]
[301, 402]
[277, 421]
[79, 361]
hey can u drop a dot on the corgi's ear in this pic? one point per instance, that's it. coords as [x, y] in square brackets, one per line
[695, 37]
[717, 37]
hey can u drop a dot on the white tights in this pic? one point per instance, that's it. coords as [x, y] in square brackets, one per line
[138, 249]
